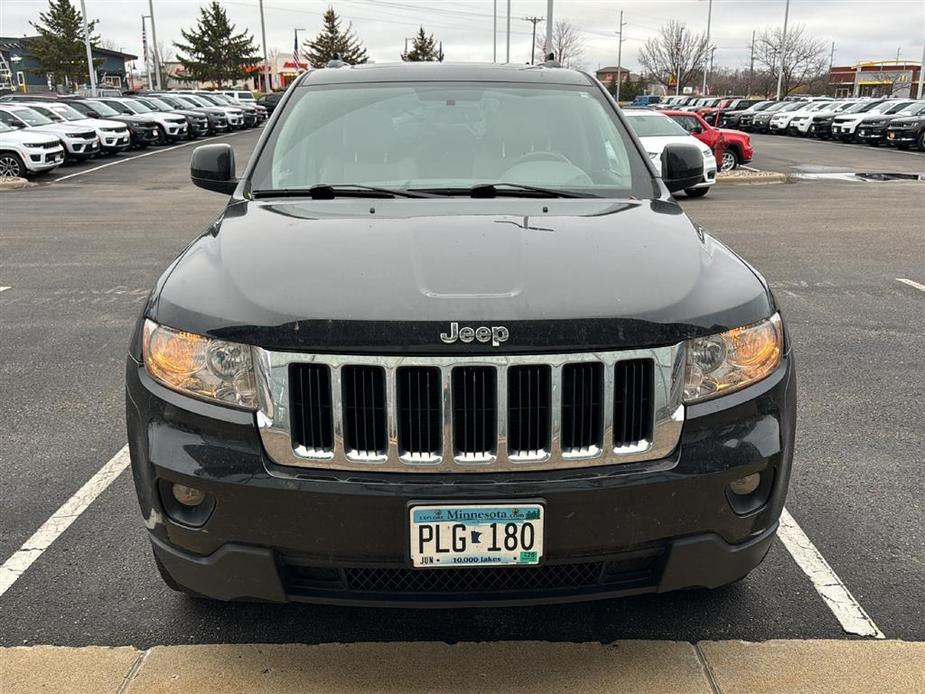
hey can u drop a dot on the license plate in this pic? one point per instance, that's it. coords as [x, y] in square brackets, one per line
[459, 535]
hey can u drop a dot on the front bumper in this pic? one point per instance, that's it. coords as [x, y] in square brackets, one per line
[281, 534]
[43, 159]
[896, 137]
[81, 149]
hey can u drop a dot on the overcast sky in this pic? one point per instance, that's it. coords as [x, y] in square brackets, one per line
[861, 29]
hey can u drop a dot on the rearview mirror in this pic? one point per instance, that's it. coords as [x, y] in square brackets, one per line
[212, 168]
[682, 166]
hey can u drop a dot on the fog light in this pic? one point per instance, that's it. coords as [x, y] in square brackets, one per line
[190, 496]
[742, 486]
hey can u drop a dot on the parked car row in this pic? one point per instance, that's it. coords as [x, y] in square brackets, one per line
[40, 132]
[899, 122]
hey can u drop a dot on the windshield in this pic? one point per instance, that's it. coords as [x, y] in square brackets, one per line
[197, 100]
[244, 96]
[66, 112]
[891, 107]
[209, 99]
[137, 106]
[48, 113]
[760, 106]
[913, 109]
[31, 117]
[861, 107]
[155, 104]
[102, 109]
[432, 135]
[654, 126]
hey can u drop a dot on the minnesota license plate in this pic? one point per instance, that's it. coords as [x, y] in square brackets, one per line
[458, 535]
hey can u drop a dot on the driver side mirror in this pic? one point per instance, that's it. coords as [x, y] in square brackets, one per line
[682, 166]
[212, 167]
[696, 130]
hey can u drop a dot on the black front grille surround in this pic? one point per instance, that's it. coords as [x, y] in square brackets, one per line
[475, 414]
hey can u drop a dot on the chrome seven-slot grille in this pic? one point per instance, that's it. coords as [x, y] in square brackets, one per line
[469, 414]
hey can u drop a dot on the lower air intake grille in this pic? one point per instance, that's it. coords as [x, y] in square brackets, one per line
[363, 390]
[475, 412]
[528, 406]
[420, 420]
[310, 401]
[582, 409]
[632, 401]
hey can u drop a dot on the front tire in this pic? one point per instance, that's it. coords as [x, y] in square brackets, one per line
[696, 192]
[920, 141]
[730, 160]
[161, 136]
[11, 166]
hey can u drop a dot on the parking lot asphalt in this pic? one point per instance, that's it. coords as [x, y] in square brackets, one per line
[809, 155]
[79, 256]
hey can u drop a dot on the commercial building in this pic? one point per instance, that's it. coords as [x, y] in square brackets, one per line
[20, 69]
[876, 78]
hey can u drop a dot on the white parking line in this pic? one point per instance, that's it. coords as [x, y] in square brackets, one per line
[146, 154]
[3, 289]
[32, 549]
[847, 610]
[911, 283]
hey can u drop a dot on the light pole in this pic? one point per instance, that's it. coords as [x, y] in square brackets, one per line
[90, 68]
[266, 65]
[922, 72]
[507, 52]
[144, 49]
[620, 56]
[494, 31]
[548, 46]
[783, 50]
[157, 61]
[706, 55]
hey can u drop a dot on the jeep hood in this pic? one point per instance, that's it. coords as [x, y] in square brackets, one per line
[390, 275]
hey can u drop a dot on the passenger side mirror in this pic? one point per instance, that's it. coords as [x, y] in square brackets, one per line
[682, 166]
[212, 168]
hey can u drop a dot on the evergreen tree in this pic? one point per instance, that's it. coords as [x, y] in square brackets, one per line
[60, 48]
[424, 49]
[333, 41]
[214, 52]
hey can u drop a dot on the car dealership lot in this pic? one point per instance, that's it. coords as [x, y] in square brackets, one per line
[80, 254]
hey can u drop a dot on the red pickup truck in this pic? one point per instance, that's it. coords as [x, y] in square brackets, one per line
[730, 147]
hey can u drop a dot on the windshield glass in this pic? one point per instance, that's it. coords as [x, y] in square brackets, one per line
[223, 99]
[432, 135]
[155, 104]
[244, 96]
[31, 117]
[4, 128]
[102, 109]
[197, 100]
[654, 126]
[48, 113]
[208, 98]
[137, 106]
[888, 107]
[861, 107]
[66, 112]
[912, 109]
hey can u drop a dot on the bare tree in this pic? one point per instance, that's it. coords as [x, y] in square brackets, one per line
[675, 55]
[567, 44]
[805, 58]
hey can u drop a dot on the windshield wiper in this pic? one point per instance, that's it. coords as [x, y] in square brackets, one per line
[324, 191]
[494, 190]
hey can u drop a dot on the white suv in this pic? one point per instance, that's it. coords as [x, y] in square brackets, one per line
[113, 134]
[172, 127]
[23, 152]
[79, 142]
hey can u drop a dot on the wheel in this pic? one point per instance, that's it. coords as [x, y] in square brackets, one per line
[920, 141]
[730, 160]
[11, 165]
[161, 135]
[696, 192]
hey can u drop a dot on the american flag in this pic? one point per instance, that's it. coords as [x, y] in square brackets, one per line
[295, 50]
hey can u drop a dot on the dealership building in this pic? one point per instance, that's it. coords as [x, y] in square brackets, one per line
[20, 70]
[876, 78]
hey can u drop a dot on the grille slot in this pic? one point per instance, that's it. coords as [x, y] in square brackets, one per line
[364, 396]
[475, 412]
[310, 402]
[634, 383]
[420, 420]
[528, 407]
[582, 408]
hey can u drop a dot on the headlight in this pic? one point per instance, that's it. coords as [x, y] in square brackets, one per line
[723, 363]
[200, 366]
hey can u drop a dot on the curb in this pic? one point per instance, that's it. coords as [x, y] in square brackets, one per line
[752, 179]
[14, 183]
[530, 667]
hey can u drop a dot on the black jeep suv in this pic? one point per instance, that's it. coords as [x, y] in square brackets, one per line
[453, 342]
[906, 131]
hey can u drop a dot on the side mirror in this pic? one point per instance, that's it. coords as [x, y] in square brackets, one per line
[682, 166]
[696, 130]
[212, 168]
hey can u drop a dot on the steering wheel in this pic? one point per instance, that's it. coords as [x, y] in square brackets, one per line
[542, 156]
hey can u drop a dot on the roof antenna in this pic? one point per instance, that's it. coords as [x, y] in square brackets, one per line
[336, 61]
